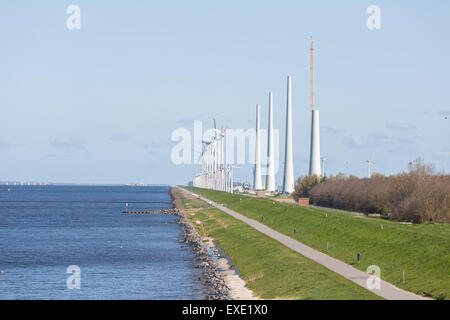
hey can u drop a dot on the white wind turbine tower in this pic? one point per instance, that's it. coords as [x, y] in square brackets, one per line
[230, 178]
[216, 163]
[216, 154]
[270, 185]
[220, 136]
[257, 185]
[208, 156]
[314, 158]
[288, 179]
[369, 167]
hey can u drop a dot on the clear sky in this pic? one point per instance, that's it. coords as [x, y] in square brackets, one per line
[99, 104]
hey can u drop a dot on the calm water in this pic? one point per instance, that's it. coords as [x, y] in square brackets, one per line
[43, 230]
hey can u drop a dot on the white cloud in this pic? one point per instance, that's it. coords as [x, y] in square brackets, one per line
[401, 126]
[375, 139]
[68, 142]
[150, 145]
[119, 138]
[331, 130]
[444, 113]
[6, 144]
[354, 141]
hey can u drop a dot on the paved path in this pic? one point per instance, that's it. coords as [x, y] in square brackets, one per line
[387, 290]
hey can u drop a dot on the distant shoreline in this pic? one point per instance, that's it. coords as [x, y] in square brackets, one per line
[74, 184]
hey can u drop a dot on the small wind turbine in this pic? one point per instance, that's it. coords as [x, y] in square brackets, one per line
[232, 176]
[369, 167]
[204, 155]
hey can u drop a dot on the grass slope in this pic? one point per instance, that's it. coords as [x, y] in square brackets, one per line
[272, 270]
[422, 251]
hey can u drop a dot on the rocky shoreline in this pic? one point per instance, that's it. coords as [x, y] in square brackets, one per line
[210, 277]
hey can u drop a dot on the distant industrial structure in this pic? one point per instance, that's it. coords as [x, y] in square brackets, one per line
[215, 175]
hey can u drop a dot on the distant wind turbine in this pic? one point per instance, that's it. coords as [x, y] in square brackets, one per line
[323, 166]
[369, 167]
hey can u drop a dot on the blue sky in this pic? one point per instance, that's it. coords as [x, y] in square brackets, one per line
[99, 104]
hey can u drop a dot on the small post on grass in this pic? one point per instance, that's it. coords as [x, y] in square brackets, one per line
[295, 231]
[262, 218]
[358, 257]
[403, 276]
[327, 245]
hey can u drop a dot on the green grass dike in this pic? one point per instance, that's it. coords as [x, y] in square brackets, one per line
[422, 251]
[271, 270]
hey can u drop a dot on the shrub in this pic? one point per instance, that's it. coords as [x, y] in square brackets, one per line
[304, 186]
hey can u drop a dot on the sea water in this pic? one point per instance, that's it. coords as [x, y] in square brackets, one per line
[56, 239]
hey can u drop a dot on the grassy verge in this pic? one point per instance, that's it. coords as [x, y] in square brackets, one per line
[421, 251]
[272, 270]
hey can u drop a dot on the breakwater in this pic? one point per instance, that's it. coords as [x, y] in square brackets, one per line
[163, 211]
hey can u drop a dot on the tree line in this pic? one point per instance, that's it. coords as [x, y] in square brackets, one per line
[419, 195]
